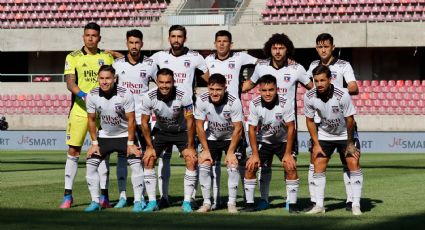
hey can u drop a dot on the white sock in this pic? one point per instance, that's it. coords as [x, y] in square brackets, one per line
[205, 182]
[216, 176]
[292, 190]
[122, 175]
[232, 184]
[242, 175]
[71, 167]
[356, 186]
[103, 171]
[311, 183]
[164, 171]
[92, 177]
[196, 184]
[150, 183]
[347, 183]
[189, 184]
[265, 178]
[319, 187]
[136, 178]
[250, 189]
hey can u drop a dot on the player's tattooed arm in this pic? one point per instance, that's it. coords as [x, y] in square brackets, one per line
[206, 76]
[114, 54]
[351, 151]
[309, 85]
[71, 83]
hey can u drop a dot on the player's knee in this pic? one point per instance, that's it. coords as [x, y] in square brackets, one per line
[74, 151]
[291, 174]
[352, 164]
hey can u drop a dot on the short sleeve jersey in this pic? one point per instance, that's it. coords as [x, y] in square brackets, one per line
[170, 115]
[220, 117]
[183, 66]
[332, 113]
[287, 77]
[85, 67]
[113, 121]
[136, 79]
[230, 68]
[341, 71]
[271, 123]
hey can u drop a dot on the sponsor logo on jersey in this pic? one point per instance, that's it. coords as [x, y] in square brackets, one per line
[335, 109]
[101, 62]
[279, 117]
[231, 65]
[187, 63]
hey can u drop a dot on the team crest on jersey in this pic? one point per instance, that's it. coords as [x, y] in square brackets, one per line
[101, 62]
[143, 74]
[119, 109]
[226, 114]
[279, 117]
[287, 78]
[333, 77]
[231, 65]
[176, 109]
[335, 109]
[187, 63]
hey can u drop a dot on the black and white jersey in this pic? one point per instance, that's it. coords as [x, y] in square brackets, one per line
[332, 113]
[136, 78]
[287, 77]
[170, 114]
[230, 68]
[183, 66]
[220, 117]
[341, 71]
[271, 123]
[113, 122]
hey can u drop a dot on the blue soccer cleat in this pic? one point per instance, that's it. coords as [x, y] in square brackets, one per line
[93, 207]
[139, 206]
[67, 202]
[121, 203]
[263, 205]
[104, 202]
[187, 207]
[151, 207]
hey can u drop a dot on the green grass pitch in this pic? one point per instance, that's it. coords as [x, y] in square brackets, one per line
[31, 188]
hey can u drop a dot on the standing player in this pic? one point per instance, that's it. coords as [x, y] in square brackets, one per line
[134, 73]
[271, 132]
[184, 63]
[280, 51]
[342, 76]
[81, 68]
[173, 109]
[223, 112]
[115, 107]
[230, 64]
[336, 130]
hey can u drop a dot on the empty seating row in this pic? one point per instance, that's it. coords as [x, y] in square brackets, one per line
[74, 23]
[278, 3]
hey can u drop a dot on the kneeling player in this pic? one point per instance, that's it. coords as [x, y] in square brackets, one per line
[115, 107]
[174, 126]
[223, 112]
[271, 132]
[336, 111]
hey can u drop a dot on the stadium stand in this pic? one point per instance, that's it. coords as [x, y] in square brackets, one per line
[342, 11]
[18, 14]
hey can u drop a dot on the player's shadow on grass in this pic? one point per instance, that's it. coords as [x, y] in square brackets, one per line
[366, 204]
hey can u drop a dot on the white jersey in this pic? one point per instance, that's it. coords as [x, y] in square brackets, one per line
[271, 122]
[113, 122]
[136, 78]
[183, 66]
[287, 77]
[341, 71]
[230, 68]
[332, 113]
[220, 117]
[170, 115]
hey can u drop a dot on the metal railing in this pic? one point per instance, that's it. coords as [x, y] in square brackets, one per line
[32, 77]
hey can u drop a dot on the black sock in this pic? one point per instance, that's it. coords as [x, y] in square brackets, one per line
[105, 193]
[67, 192]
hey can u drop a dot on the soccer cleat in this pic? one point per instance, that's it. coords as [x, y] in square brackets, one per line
[139, 206]
[263, 205]
[293, 208]
[348, 206]
[316, 210]
[193, 203]
[249, 207]
[204, 208]
[151, 207]
[309, 207]
[94, 206]
[104, 202]
[121, 203]
[287, 205]
[356, 210]
[67, 202]
[231, 208]
[187, 207]
[163, 203]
